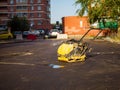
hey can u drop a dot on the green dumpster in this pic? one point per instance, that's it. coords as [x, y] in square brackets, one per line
[109, 24]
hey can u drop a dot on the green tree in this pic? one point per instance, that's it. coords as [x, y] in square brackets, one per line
[24, 23]
[18, 24]
[99, 9]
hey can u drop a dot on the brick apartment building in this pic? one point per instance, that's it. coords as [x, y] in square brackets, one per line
[36, 11]
[76, 25]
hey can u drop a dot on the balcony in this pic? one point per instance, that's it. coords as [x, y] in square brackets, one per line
[3, 10]
[3, 3]
[22, 10]
[21, 3]
[4, 17]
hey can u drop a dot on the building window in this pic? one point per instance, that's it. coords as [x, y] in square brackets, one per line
[21, 1]
[22, 14]
[81, 23]
[21, 8]
[39, 22]
[32, 7]
[48, 15]
[32, 23]
[11, 15]
[39, 1]
[31, 1]
[11, 8]
[48, 8]
[31, 15]
[25, 14]
[48, 2]
[39, 7]
[11, 1]
[39, 14]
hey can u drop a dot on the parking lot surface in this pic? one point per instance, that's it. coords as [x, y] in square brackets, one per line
[29, 66]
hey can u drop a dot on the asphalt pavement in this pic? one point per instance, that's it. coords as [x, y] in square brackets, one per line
[33, 65]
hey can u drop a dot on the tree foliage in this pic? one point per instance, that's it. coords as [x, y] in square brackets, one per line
[18, 24]
[99, 9]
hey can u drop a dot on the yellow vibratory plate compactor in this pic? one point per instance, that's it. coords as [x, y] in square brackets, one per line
[72, 51]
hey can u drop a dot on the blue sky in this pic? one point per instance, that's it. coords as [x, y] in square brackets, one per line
[61, 8]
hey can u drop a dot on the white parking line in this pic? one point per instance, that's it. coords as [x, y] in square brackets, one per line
[10, 63]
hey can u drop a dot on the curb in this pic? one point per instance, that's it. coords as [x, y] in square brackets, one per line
[14, 41]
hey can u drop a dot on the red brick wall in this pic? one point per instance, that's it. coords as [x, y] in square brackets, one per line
[75, 25]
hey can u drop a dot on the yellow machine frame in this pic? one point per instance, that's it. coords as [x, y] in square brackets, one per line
[72, 51]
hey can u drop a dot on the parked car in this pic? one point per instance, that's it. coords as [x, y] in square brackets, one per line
[54, 32]
[15, 33]
[42, 31]
[35, 32]
[25, 34]
[3, 27]
[46, 34]
[6, 35]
